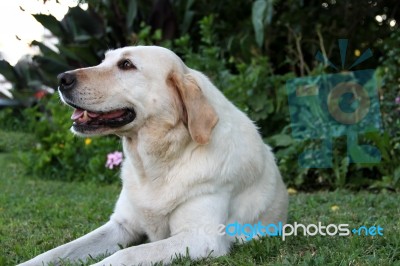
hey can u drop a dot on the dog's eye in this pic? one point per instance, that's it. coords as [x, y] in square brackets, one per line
[126, 64]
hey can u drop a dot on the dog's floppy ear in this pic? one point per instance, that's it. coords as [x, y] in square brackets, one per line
[199, 116]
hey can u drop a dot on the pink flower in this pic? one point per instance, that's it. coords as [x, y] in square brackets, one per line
[114, 159]
[397, 101]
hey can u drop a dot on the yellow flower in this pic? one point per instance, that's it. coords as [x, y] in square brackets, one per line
[88, 141]
[334, 208]
[357, 52]
[291, 191]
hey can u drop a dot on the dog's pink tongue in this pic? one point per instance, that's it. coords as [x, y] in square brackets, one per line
[93, 115]
[77, 113]
[113, 114]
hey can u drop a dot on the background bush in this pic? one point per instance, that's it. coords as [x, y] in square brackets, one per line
[249, 49]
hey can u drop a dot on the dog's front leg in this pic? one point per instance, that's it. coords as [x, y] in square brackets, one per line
[106, 239]
[195, 231]
[187, 243]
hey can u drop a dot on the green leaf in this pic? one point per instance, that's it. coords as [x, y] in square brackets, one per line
[341, 172]
[44, 49]
[131, 14]
[50, 23]
[357, 153]
[80, 22]
[188, 17]
[261, 16]
[396, 175]
[85, 53]
[282, 140]
[52, 65]
[8, 71]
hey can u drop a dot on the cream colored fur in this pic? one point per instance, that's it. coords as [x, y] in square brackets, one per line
[192, 159]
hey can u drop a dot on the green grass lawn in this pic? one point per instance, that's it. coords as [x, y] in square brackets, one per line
[37, 215]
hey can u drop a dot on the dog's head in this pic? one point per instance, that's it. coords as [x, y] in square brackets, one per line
[132, 86]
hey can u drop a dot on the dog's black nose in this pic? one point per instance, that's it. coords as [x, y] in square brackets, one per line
[66, 81]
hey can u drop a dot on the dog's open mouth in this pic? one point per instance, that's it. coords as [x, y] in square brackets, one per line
[85, 120]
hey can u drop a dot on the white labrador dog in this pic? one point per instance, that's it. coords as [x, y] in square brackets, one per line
[192, 160]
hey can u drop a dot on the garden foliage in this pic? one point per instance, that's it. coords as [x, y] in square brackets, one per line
[249, 49]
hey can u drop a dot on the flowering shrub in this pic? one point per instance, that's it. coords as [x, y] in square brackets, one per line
[114, 159]
[252, 87]
[397, 100]
[252, 73]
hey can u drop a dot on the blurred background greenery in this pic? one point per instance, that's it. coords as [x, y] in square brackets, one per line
[249, 49]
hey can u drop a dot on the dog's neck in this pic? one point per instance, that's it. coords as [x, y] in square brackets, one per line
[154, 147]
